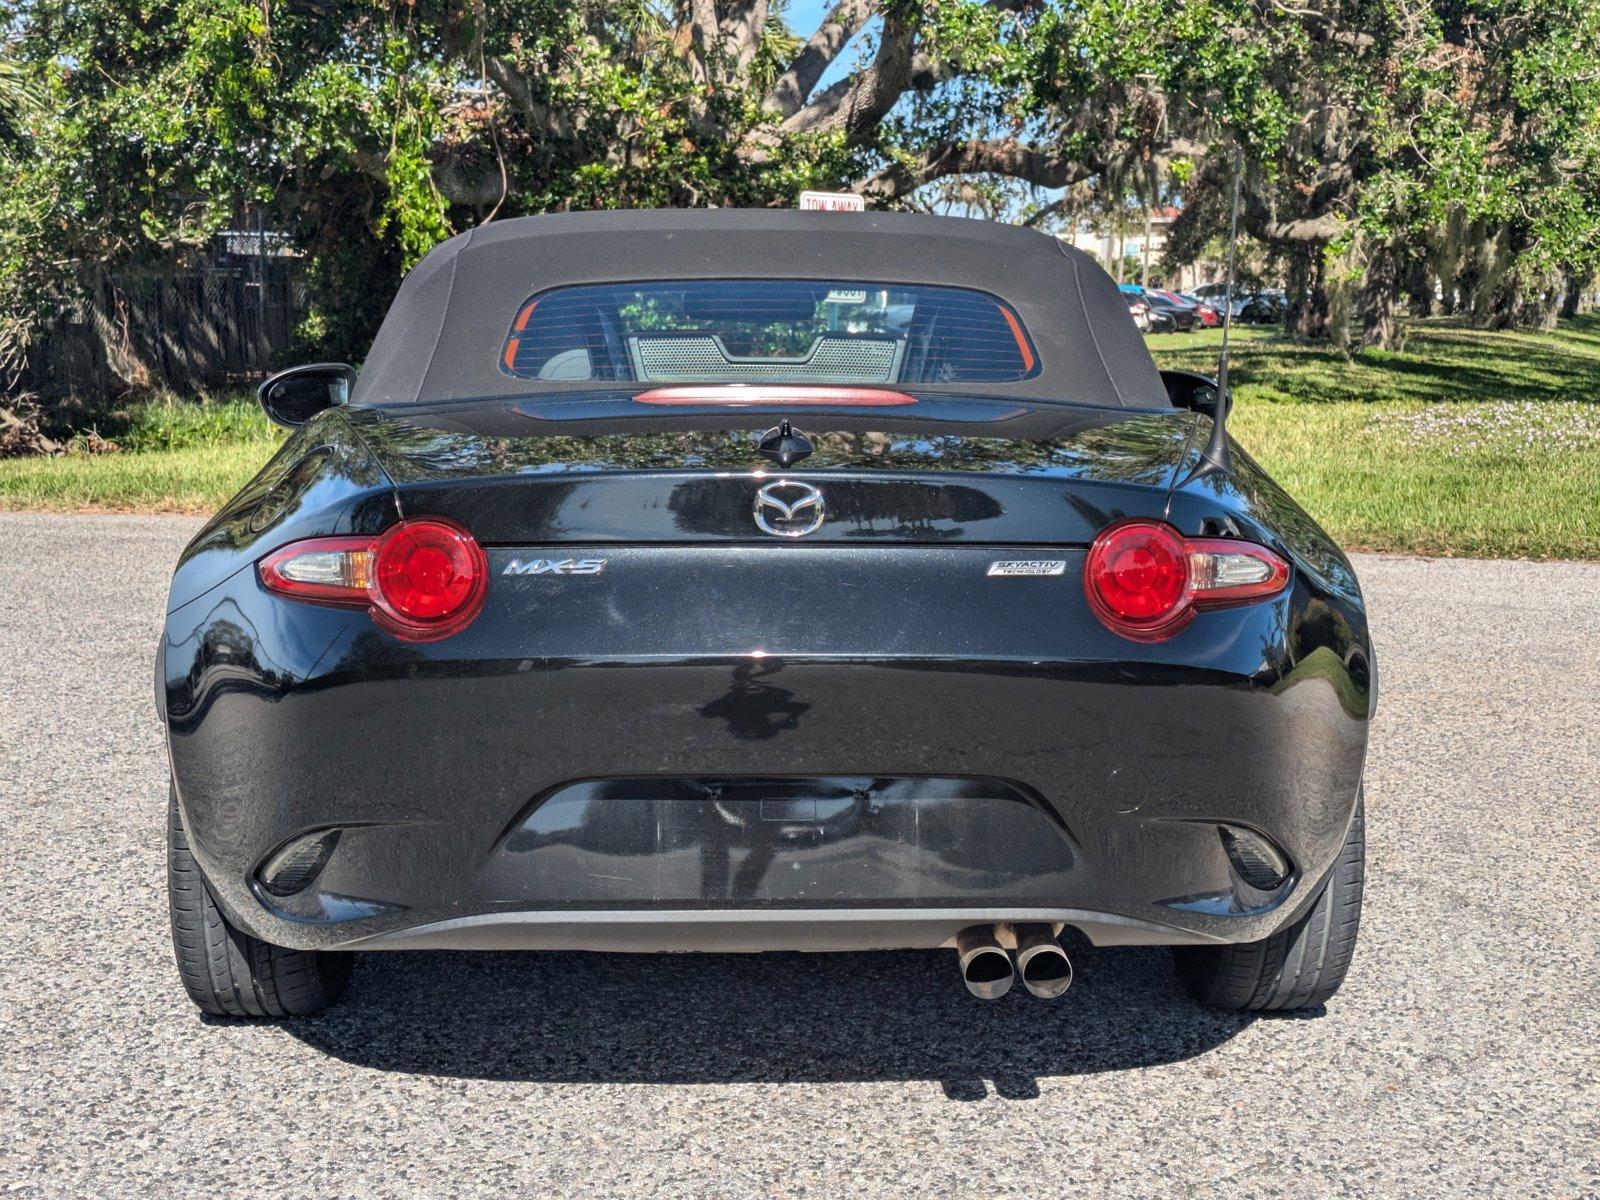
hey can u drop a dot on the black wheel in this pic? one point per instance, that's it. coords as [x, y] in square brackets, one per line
[1298, 967]
[225, 970]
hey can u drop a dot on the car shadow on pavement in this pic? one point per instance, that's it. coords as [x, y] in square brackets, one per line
[768, 1018]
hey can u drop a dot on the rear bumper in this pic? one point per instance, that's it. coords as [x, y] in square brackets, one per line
[801, 796]
[1114, 831]
[735, 931]
[756, 863]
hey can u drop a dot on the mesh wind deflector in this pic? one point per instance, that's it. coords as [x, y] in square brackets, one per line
[768, 330]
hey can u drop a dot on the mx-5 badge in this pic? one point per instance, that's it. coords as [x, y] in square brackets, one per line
[555, 566]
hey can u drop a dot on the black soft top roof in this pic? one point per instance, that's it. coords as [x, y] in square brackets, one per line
[442, 337]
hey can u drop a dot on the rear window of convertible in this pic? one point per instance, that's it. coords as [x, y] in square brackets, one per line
[765, 330]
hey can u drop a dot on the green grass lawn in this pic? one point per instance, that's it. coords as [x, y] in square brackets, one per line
[1464, 442]
[172, 456]
[1442, 361]
[192, 480]
[1517, 480]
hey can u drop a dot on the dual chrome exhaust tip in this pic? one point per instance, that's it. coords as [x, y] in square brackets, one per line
[988, 970]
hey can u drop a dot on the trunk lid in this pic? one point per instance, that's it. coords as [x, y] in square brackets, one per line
[593, 471]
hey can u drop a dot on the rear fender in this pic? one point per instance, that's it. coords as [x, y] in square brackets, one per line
[323, 481]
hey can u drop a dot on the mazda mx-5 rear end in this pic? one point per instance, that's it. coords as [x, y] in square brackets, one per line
[747, 581]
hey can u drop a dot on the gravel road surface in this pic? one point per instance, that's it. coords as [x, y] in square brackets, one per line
[1460, 1060]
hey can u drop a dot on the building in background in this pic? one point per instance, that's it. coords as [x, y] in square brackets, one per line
[1130, 244]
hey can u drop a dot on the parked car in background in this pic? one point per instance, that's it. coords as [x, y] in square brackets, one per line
[1186, 302]
[1268, 307]
[1138, 309]
[1184, 317]
[1210, 315]
[1251, 306]
[1148, 318]
[1161, 319]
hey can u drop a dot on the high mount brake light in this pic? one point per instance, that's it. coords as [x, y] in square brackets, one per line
[1145, 580]
[421, 579]
[783, 395]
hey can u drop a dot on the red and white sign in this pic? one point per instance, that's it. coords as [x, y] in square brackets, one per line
[832, 202]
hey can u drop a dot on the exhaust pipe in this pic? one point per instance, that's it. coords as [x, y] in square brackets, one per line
[985, 966]
[1045, 969]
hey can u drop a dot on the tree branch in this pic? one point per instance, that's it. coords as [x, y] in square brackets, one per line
[789, 93]
[743, 24]
[1324, 223]
[705, 35]
[865, 98]
[519, 95]
[1005, 156]
[1297, 231]
[1045, 213]
[860, 102]
[1180, 147]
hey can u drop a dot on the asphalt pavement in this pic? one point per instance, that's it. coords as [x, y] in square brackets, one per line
[1462, 1057]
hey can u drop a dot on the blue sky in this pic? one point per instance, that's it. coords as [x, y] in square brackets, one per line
[804, 16]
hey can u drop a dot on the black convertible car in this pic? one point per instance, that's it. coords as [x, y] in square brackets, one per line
[760, 580]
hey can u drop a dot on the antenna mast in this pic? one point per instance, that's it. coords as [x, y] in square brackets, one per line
[1215, 456]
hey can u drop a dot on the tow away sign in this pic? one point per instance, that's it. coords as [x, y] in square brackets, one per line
[832, 202]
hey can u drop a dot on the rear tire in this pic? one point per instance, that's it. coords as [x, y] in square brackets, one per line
[226, 971]
[1297, 967]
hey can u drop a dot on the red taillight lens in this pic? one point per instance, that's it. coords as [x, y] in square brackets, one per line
[1138, 573]
[429, 571]
[1145, 580]
[421, 579]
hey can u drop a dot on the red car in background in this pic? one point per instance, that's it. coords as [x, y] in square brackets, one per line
[1209, 317]
[1209, 314]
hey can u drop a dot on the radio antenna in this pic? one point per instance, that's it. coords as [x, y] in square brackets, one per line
[1215, 456]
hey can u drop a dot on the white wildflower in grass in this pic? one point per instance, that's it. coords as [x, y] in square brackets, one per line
[1515, 427]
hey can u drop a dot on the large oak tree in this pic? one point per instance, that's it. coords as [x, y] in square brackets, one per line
[371, 129]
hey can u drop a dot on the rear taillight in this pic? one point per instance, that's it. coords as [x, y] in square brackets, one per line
[421, 579]
[1145, 580]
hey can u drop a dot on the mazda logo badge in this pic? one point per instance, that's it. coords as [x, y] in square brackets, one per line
[789, 508]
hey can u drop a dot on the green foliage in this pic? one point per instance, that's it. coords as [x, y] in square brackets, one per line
[169, 423]
[20, 100]
[132, 130]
